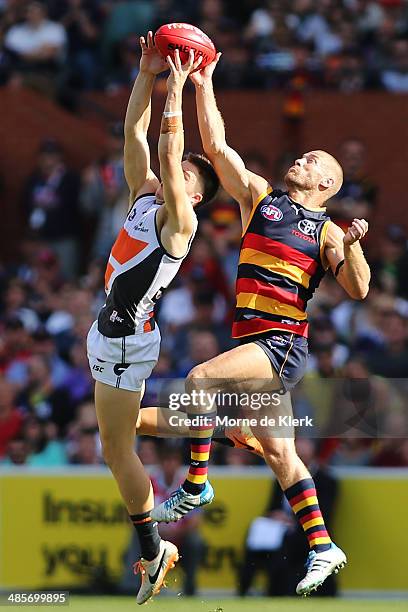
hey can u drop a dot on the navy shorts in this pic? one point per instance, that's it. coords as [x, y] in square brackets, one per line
[287, 353]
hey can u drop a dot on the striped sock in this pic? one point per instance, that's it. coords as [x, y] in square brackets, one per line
[304, 503]
[148, 533]
[200, 445]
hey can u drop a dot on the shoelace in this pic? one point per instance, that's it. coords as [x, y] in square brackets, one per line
[138, 568]
[174, 499]
[310, 558]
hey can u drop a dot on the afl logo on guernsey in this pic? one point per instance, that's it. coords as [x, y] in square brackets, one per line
[271, 212]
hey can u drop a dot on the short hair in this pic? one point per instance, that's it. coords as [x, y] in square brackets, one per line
[207, 174]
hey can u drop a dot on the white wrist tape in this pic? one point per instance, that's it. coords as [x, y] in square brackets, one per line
[167, 114]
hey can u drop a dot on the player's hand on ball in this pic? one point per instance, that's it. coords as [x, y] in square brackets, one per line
[356, 231]
[151, 60]
[179, 72]
[206, 73]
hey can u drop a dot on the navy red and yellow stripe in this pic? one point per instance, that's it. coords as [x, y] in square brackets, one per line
[200, 446]
[279, 267]
[303, 500]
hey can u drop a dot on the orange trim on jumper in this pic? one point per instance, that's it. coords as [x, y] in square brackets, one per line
[254, 207]
[108, 273]
[323, 237]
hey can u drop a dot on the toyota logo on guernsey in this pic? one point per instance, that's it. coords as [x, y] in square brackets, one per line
[271, 212]
[307, 227]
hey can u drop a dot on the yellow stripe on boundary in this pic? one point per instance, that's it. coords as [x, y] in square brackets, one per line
[310, 501]
[265, 304]
[199, 479]
[200, 456]
[274, 264]
[254, 207]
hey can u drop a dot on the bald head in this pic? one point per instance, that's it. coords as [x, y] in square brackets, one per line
[316, 176]
[332, 171]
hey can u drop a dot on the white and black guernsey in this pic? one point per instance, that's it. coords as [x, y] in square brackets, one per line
[138, 270]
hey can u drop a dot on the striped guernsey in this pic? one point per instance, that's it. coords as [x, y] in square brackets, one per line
[280, 265]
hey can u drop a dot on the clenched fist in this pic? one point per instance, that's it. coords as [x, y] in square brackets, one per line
[356, 231]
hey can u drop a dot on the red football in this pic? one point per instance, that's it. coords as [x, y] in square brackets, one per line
[183, 36]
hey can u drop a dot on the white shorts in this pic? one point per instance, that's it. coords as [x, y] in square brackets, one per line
[124, 363]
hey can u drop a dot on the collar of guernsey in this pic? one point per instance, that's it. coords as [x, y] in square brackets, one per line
[280, 266]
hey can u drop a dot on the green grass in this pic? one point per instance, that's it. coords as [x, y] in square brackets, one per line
[200, 604]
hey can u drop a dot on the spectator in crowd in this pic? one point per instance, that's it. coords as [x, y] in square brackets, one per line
[395, 76]
[86, 452]
[37, 46]
[78, 381]
[391, 360]
[11, 418]
[389, 267]
[392, 449]
[357, 196]
[15, 349]
[348, 46]
[324, 335]
[51, 205]
[44, 447]
[42, 345]
[17, 452]
[124, 18]
[15, 306]
[148, 451]
[82, 20]
[41, 398]
[104, 196]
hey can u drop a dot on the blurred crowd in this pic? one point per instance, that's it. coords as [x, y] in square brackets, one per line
[356, 383]
[62, 47]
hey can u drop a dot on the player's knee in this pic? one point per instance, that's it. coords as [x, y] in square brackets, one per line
[110, 449]
[198, 377]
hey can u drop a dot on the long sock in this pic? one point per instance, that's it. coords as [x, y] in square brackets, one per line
[200, 445]
[148, 533]
[303, 500]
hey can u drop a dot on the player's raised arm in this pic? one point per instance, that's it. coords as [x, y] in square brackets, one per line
[171, 147]
[346, 258]
[138, 174]
[243, 185]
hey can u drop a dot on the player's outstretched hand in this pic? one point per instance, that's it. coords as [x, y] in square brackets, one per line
[179, 72]
[356, 231]
[206, 73]
[151, 60]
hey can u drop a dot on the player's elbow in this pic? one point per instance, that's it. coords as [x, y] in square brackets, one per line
[358, 293]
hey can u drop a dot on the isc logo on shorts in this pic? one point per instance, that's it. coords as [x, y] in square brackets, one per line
[271, 212]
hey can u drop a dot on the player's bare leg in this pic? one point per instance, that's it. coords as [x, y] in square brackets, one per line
[154, 421]
[117, 411]
[244, 369]
[295, 480]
